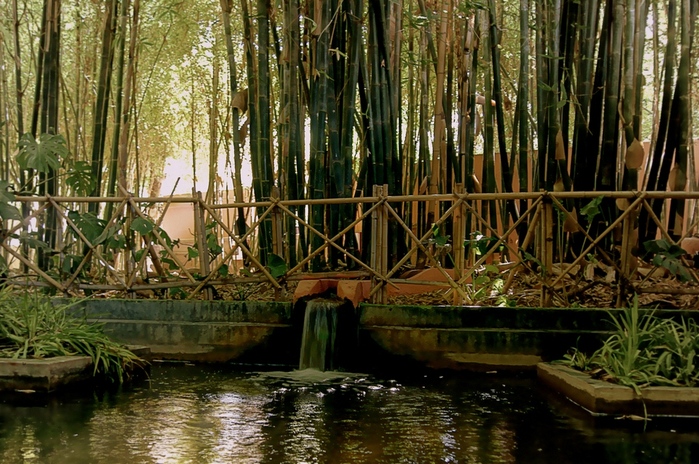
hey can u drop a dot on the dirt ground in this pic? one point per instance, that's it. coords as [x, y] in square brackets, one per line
[574, 290]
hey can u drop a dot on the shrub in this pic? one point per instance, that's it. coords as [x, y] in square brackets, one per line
[645, 350]
[31, 326]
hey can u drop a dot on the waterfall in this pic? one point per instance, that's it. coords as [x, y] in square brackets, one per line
[319, 335]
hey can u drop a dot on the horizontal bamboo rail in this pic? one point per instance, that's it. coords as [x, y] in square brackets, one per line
[151, 261]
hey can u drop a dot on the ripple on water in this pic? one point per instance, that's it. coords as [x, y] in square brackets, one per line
[203, 414]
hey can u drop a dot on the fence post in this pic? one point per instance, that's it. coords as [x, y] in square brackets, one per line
[200, 228]
[626, 245]
[459, 234]
[384, 245]
[379, 246]
[546, 251]
[373, 262]
[277, 235]
[129, 253]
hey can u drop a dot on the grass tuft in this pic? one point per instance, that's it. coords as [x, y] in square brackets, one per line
[645, 350]
[32, 326]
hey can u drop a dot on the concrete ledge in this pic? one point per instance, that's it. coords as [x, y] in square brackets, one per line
[49, 374]
[603, 398]
[207, 331]
[476, 338]
[43, 375]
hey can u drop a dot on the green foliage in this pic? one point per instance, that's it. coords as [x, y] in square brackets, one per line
[223, 270]
[80, 178]
[71, 263]
[592, 209]
[177, 293]
[668, 256]
[142, 226]
[487, 282]
[277, 266]
[479, 243]
[31, 326]
[578, 360]
[437, 238]
[42, 155]
[30, 238]
[645, 350]
[8, 211]
[89, 225]
[212, 244]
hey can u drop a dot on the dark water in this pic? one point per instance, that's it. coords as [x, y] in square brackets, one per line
[200, 414]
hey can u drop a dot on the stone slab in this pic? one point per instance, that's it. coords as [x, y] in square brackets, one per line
[50, 374]
[604, 398]
[206, 342]
[43, 375]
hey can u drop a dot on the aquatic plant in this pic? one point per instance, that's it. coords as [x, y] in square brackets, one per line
[644, 350]
[32, 326]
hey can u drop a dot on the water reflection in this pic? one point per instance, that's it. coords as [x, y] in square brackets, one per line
[193, 414]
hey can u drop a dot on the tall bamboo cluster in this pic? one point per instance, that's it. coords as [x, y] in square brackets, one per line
[329, 98]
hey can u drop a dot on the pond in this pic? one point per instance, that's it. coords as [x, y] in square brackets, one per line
[211, 414]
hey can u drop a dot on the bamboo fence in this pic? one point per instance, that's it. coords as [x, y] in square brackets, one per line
[150, 260]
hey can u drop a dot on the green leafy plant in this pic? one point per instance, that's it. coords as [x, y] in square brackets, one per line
[212, 244]
[42, 154]
[7, 210]
[578, 360]
[592, 209]
[80, 178]
[277, 266]
[668, 256]
[32, 326]
[645, 350]
[486, 281]
[479, 244]
[89, 225]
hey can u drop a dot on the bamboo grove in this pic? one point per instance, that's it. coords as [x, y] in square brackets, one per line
[328, 98]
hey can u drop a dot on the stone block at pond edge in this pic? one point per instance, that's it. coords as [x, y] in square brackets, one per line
[44, 375]
[603, 398]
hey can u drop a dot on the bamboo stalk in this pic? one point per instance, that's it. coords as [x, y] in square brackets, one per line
[375, 237]
[668, 290]
[200, 225]
[546, 253]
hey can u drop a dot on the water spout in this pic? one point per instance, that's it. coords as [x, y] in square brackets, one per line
[319, 335]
